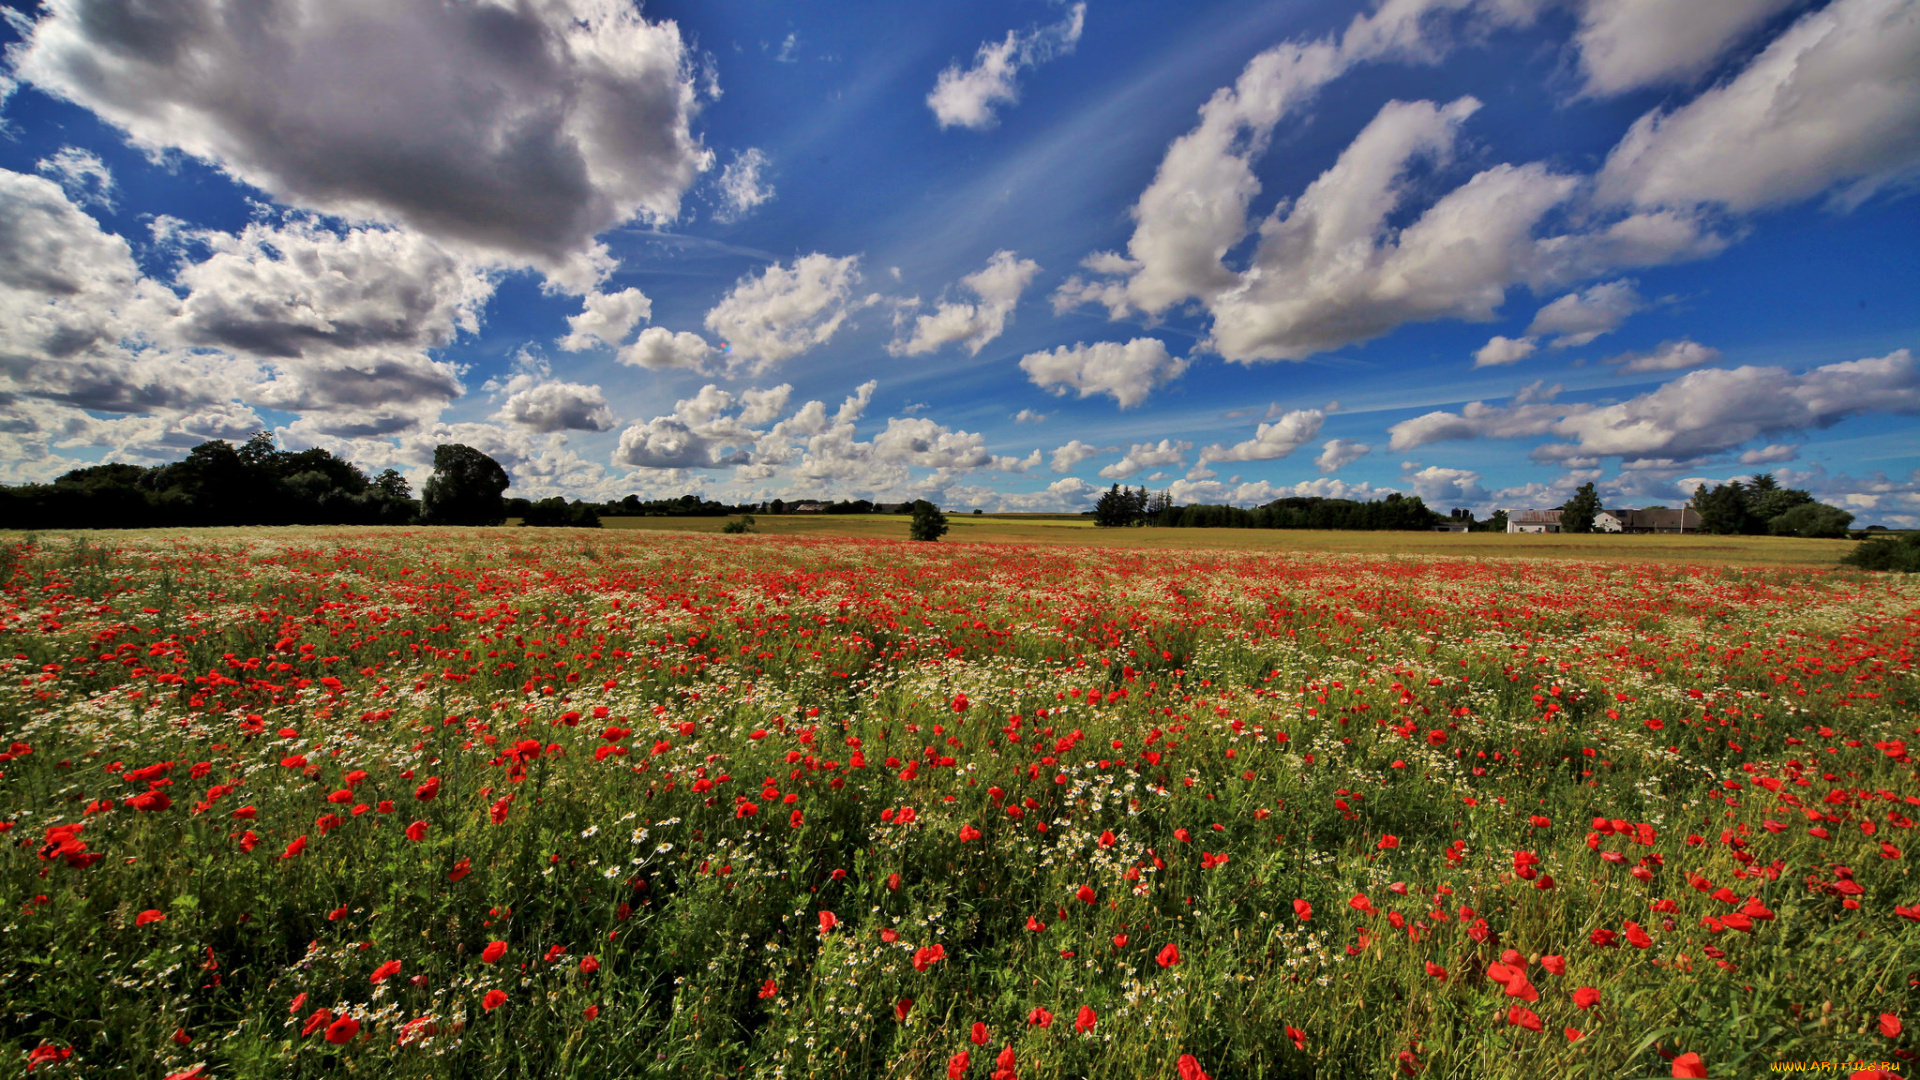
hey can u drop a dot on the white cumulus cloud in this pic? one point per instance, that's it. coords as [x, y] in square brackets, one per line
[744, 184]
[1580, 317]
[998, 287]
[660, 349]
[966, 97]
[1628, 44]
[1834, 100]
[606, 319]
[783, 313]
[1128, 373]
[1337, 454]
[1270, 441]
[521, 129]
[1676, 355]
[1504, 350]
[1142, 456]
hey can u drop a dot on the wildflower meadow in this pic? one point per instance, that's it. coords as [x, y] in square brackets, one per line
[491, 803]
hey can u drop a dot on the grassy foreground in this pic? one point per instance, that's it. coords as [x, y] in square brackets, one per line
[492, 803]
[1074, 530]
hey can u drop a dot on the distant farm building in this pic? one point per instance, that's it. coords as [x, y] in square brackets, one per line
[1533, 521]
[1660, 520]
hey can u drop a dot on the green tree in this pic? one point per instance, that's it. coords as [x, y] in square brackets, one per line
[1888, 553]
[1812, 520]
[1723, 509]
[928, 522]
[1120, 506]
[1496, 523]
[465, 488]
[1577, 513]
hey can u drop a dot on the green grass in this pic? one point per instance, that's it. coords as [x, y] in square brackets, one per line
[1075, 530]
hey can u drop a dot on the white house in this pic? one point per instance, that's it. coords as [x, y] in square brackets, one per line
[1533, 521]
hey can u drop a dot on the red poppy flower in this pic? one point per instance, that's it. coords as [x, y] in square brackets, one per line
[1639, 938]
[1168, 956]
[299, 845]
[460, 870]
[493, 1000]
[320, 1018]
[901, 1008]
[195, 1071]
[1299, 1037]
[979, 1034]
[1436, 971]
[589, 964]
[968, 834]
[1040, 1017]
[1389, 842]
[1107, 838]
[1004, 1065]
[1586, 997]
[958, 1064]
[1084, 1022]
[769, 989]
[343, 1030]
[1086, 894]
[1190, 1068]
[1555, 965]
[493, 952]
[384, 972]
[1303, 909]
[1119, 941]
[1688, 1066]
[151, 915]
[1890, 1025]
[927, 957]
[1519, 1017]
[417, 831]
[1572, 1034]
[590, 1012]
[828, 921]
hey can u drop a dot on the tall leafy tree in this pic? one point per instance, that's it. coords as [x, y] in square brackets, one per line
[1577, 513]
[1722, 509]
[465, 488]
[928, 522]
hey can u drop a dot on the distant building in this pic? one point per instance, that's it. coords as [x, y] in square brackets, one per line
[1452, 526]
[1684, 520]
[805, 508]
[1533, 521]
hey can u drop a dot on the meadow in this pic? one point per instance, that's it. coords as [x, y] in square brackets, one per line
[557, 803]
[1074, 530]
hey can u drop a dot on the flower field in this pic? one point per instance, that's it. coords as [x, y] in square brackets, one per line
[398, 803]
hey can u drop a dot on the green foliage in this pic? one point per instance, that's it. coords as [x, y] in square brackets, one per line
[1723, 509]
[1396, 511]
[465, 488]
[743, 525]
[1811, 520]
[1120, 506]
[1901, 554]
[928, 522]
[556, 512]
[1577, 513]
[215, 484]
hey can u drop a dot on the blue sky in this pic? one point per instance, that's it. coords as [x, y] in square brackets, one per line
[999, 254]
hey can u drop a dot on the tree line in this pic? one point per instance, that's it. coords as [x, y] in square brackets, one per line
[1124, 507]
[257, 483]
